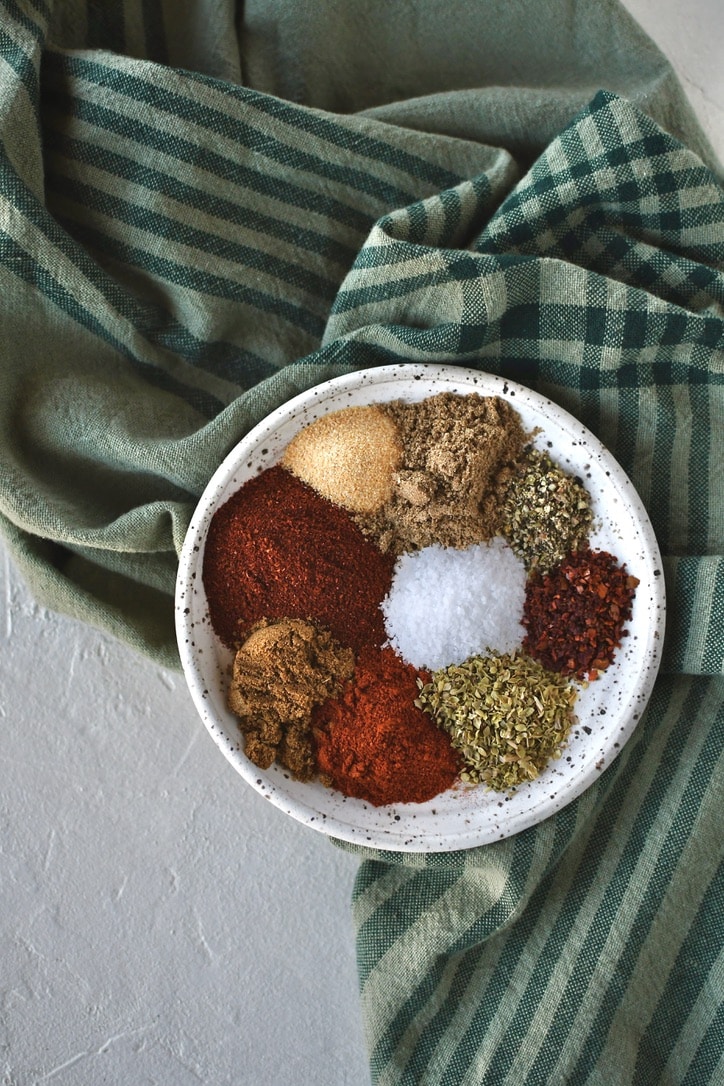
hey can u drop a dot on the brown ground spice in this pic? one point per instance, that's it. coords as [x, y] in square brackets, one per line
[455, 449]
[281, 672]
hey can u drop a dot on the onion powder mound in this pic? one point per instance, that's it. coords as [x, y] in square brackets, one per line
[349, 457]
[445, 605]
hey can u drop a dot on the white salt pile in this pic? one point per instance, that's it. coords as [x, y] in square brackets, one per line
[446, 604]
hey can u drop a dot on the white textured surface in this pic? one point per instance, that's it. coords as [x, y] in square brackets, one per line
[160, 922]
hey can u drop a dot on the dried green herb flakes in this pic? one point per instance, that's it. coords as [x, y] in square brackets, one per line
[506, 714]
[545, 512]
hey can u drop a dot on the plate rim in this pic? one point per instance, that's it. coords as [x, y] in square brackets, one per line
[190, 565]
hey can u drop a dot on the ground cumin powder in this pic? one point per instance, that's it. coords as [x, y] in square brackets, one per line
[280, 673]
[455, 449]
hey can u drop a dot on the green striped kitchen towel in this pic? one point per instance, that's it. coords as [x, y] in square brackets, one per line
[204, 211]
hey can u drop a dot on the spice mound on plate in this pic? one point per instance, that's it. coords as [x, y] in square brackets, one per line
[279, 674]
[447, 604]
[375, 744]
[545, 512]
[455, 449]
[575, 615]
[506, 715]
[277, 549]
[349, 456]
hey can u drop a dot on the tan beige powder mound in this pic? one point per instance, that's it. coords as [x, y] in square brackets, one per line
[349, 457]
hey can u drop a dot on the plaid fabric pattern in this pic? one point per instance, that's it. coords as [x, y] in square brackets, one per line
[178, 255]
[579, 951]
[588, 949]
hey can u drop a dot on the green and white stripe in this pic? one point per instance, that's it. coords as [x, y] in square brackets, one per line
[585, 951]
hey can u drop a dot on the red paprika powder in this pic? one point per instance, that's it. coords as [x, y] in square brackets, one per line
[373, 742]
[277, 549]
[574, 615]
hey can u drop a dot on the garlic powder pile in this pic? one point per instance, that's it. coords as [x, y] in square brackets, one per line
[349, 456]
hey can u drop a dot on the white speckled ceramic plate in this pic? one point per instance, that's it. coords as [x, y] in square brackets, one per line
[607, 710]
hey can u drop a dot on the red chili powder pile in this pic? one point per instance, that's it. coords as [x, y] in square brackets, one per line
[277, 549]
[373, 743]
[574, 615]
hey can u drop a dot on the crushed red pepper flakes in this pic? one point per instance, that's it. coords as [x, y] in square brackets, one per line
[574, 615]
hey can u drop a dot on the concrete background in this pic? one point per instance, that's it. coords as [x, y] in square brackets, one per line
[159, 921]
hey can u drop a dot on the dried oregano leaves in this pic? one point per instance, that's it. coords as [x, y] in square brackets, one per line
[505, 714]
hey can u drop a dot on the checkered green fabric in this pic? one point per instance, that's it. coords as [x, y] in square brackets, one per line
[198, 221]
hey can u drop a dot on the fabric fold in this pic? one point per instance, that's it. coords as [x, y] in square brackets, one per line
[181, 241]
